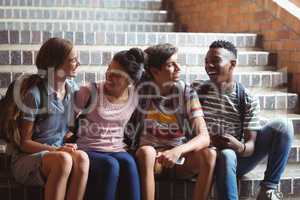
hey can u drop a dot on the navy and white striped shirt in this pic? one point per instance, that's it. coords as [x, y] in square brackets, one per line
[222, 115]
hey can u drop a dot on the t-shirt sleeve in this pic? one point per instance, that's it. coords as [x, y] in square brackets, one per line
[30, 105]
[251, 120]
[82, 96]
[194, 108]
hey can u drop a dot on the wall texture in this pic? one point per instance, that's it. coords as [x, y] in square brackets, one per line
[279, 29]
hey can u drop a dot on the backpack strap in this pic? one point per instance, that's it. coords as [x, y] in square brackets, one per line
[241, 98]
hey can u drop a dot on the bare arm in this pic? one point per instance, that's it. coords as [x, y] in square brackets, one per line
[27, 144]
[200, 141]
[243, 149]
[250, 137]
[169, 157]
[30, 146]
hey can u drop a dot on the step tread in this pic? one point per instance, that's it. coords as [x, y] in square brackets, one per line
[279, 114]
[84, 21]
[113, 48]
[58, 8]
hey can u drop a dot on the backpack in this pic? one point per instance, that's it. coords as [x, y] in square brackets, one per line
[203, 88]
[10, 113]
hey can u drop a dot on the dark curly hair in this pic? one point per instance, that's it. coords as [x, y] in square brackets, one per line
[132, 61]
[224, 44]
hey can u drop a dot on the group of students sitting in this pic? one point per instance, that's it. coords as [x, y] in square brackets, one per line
[109, 139]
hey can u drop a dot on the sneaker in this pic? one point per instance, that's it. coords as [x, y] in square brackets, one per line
[269, 194]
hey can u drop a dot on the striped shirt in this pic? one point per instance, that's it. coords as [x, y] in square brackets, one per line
[222, 115]
[162, 129]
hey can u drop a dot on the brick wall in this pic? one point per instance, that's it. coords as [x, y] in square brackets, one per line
[280, 30]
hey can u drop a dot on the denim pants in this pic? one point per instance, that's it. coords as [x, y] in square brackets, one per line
[273, 140]
[112, 176]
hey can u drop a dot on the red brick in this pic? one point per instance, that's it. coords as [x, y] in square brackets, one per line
[295, 56]
[266, 26]
[283, 35]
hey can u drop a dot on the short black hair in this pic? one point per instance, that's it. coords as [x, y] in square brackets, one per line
[132, 61]
[159, 54]
[224, 44]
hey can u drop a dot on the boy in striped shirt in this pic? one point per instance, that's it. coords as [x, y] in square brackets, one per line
[240, 140]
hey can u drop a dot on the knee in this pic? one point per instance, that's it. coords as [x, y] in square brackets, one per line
[110, 167]
[81, 161]
[63, 163]
[129, 162]
[146, 154]
[226, 157]
[287, 130]
[284, 128]
[207, 158]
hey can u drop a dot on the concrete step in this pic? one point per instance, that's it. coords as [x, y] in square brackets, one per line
[80, 13]
[84, 25]
[102, 55]
[240, 40]
[294, 156]
[289, 184]
[276, 100]
[129, 4]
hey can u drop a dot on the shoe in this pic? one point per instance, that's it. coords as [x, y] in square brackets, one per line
[269, 194]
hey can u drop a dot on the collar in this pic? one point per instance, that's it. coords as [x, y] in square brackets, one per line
[51, 91]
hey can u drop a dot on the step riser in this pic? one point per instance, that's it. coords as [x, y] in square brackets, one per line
[54, 13]
[249, 80]
[86, 26]
[296, 124]
[104, 57]
[133, 39]
[132, 4]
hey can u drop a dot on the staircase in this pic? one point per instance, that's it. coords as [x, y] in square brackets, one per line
[100, 28]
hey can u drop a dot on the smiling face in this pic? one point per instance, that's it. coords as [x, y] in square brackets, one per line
[168, 73]
[116, 79]
[219, 65]
[70, 65]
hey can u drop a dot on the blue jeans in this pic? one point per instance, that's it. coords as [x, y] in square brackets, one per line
[112, 176]
[273, 140]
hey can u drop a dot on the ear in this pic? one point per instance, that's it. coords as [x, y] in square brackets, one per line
[153, 71]
[233, 64]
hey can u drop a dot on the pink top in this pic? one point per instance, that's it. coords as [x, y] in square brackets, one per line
[103, 128]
